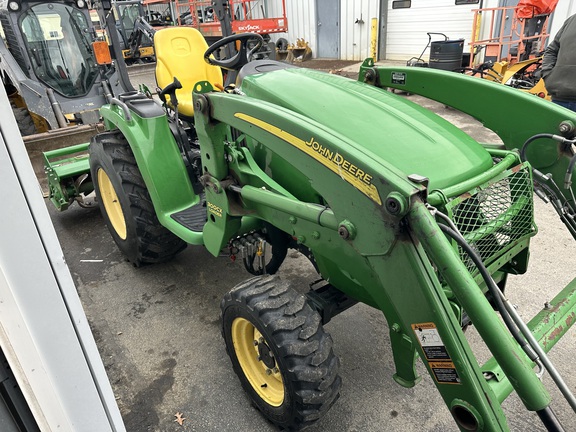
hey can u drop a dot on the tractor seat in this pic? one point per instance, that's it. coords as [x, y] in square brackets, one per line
[180, 53]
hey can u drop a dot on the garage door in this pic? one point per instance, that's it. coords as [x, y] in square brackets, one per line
[406, 30]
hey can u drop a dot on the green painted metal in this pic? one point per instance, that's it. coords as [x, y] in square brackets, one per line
[409, 137]
[63, 166]
[366, 267]
[161, 165]
[436, 197]
[548, 327]
[418, 299]
[510, 357]
[267, 125]
[556, 318]
[310, 212]
[513, 115]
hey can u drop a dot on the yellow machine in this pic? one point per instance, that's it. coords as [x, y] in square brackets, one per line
[523, 75]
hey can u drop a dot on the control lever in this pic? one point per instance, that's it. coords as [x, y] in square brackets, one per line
[170, 90]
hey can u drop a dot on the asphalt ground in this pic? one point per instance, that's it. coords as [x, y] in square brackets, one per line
[158, 331]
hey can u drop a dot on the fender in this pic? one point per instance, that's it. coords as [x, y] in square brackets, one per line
[159, 160]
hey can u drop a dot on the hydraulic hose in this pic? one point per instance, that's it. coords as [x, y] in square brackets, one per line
[492, 287]
[569, 170]
[537, 137]
[560, 139]
[107, 91]
[550, 420]
[530, 345]
[56, 108]
[543, 358]
[564, 209]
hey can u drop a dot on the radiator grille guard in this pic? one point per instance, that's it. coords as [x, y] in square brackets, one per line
[496, 218]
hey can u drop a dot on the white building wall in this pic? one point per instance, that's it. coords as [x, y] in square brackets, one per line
[274, 8]
[355, 19]
[564, 9]
[301, 15]
[406, 30]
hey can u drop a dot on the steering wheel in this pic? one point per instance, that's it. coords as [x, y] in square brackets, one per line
[239, 59]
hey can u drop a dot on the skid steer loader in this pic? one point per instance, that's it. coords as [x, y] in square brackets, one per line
[49, 68]
[394, 206]
[129, 16]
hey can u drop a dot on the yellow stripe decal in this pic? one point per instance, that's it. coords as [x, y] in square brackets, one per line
[334, 161]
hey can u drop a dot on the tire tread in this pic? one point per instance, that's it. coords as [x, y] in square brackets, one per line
[154, 242]
[306, 349]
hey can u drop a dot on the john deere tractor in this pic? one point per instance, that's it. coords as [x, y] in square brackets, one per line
[394, 206]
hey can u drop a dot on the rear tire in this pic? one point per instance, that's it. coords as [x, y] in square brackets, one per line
[280, 352]
[125, 203]
[25, 122]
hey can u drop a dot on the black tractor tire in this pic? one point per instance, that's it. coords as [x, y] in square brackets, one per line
[282, 44]
[280, 352]
[25, 122]
[126, 204]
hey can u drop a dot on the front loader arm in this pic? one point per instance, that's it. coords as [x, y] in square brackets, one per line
[303, 143]
[513, 115]
[141, 29]
[516, 117]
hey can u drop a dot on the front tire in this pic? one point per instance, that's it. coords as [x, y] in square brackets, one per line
[25, 122]
[126, 204]
[280, 352]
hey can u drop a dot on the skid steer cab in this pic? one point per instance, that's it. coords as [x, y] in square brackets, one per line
[401, 211]
[55, 68]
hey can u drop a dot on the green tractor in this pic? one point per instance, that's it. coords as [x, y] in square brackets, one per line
[394, 206]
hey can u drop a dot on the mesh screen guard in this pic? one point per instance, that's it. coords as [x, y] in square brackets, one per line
[496, 218]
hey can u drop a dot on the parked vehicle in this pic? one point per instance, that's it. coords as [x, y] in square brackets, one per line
[127, 14]
[49, 68]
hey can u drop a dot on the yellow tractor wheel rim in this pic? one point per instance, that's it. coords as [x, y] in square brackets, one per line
[262, 373]
[111, 204]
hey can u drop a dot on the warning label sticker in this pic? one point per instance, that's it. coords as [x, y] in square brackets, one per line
[398, 78]
[430, 340]
[445, 372]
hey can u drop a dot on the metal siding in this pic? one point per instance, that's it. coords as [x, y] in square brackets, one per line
[407, 28]
[355, 36]
[301, 15]
[274, 8]
[564, 9]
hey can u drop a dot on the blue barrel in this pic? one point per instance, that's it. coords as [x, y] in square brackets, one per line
[446, 54]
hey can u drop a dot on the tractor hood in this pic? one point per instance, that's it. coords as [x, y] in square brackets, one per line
[399, 132]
